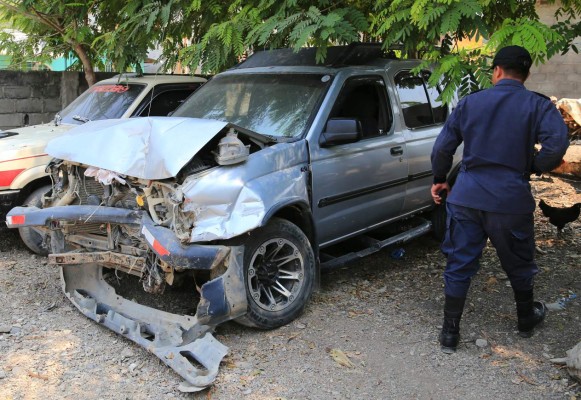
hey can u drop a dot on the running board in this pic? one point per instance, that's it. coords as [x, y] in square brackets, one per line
[375, 245]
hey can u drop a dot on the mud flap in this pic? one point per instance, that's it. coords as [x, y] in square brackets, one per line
[182, 342]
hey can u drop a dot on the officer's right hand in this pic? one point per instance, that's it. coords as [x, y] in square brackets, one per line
[437, 188]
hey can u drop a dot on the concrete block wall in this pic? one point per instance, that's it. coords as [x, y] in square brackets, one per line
[561, 75]
[34, 97]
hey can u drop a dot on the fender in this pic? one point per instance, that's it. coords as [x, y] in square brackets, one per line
[30, 175]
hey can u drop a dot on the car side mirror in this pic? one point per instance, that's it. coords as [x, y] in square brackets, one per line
[341, 131]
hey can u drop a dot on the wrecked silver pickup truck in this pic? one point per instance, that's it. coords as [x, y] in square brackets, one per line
[257, 182]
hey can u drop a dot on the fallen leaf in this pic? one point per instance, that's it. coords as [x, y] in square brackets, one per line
[491, 281]
[341, 358]
[292, 336]
[526, 378]
[7, 264]
[39, 376]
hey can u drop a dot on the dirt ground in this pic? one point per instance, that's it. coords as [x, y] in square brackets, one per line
[382, 314]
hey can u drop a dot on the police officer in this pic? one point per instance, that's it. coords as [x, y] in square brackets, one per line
[491, 198]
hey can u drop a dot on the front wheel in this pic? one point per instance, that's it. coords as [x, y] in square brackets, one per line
[279, 274]
[33, 238]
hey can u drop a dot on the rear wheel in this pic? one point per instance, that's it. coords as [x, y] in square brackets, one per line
[279, 274]
[33, 238]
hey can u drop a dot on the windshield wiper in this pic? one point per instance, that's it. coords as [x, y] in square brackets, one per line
[80, 118]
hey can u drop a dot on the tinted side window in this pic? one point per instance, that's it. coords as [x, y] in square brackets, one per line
[439, 109]
[415, 105]
[365, 99]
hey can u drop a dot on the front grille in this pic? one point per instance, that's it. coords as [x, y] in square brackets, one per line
[91, 192]
[88, 187]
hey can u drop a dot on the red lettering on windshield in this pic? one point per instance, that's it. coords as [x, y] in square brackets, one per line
[110, 88]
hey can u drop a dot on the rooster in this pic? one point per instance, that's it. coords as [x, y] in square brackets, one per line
[560, 216]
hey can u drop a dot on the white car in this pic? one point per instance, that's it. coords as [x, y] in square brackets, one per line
[23, 160]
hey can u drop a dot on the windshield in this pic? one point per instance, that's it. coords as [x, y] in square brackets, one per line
[270, 104]
[100, 101]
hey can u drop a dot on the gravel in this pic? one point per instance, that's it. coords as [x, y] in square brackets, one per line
[382, 314]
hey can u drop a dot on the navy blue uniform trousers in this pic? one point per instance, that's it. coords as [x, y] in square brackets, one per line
[468, 230]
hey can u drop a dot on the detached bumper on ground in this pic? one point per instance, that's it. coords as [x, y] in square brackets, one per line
[182, 342]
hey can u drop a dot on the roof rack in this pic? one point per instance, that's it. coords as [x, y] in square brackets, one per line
[128, 75]
[337, 56]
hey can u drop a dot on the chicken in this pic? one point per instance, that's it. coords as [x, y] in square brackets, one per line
[560, 216]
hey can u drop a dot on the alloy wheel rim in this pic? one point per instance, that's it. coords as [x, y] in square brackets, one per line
[276, 274]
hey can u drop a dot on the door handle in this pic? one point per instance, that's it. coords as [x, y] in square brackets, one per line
[396, 151]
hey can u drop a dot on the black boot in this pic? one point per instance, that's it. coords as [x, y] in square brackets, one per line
[530, 313]
[450, 335]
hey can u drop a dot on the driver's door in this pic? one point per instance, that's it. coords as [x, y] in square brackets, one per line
[356, 186]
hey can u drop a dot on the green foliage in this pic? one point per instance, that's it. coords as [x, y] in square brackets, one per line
[213, 35]
[433, 31]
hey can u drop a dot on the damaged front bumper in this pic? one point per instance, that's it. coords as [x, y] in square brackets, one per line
[183, 342]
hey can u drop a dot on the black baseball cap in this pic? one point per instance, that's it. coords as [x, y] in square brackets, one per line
[513, 57]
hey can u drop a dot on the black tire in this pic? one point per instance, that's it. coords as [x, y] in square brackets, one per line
[275, 299]
[33, 238]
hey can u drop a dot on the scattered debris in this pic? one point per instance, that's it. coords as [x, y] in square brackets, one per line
[571, 111]
[397, 254]
[562, 302]
[482, 343]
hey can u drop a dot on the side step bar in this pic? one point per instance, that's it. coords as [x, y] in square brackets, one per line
[375, 245]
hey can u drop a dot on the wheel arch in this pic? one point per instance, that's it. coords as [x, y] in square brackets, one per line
[32, 186]
[299, 213]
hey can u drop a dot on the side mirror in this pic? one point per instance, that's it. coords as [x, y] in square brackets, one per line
[341, 131]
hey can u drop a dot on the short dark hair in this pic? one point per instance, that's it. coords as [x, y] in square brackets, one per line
[521, 73]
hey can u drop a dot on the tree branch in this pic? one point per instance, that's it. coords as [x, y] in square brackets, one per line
[36, 15]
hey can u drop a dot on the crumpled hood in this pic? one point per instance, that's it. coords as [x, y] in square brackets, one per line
[147, 148]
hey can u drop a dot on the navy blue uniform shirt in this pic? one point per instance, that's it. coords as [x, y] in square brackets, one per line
[499, 127]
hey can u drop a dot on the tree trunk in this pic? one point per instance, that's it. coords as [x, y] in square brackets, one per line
[87, 65]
